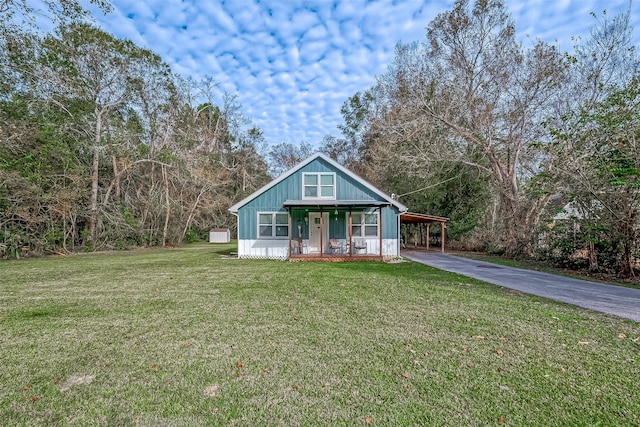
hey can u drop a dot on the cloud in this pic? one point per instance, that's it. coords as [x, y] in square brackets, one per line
[293, 63]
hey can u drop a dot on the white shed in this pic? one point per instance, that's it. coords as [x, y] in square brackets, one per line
[219, 235]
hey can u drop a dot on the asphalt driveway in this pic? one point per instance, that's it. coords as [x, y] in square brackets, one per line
[616, 300]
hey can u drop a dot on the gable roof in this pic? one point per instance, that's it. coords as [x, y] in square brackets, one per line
[333, 163]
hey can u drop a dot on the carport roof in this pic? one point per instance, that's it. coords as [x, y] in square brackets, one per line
[418, 218]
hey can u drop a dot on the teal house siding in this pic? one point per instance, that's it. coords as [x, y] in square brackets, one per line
[352, 195]
[390, 224]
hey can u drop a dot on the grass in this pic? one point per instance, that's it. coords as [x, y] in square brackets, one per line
[183, 337]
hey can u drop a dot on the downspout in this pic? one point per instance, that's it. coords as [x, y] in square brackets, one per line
[237, 230]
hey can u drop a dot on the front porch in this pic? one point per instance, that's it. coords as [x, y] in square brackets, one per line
[337, 231]
[334, 258]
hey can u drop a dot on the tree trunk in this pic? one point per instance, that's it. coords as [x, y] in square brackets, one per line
[95, 169]
[193, 209]
[93, 205]
[116, 176]
[626, 269]
[628, 238]
[520, 214]
[593, 259]
[168, 206]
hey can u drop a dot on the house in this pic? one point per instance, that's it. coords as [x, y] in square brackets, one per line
[318, 210]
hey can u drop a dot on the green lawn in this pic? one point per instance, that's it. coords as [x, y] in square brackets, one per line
[184, 337]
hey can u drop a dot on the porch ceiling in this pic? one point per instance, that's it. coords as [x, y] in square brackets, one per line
[334, 203]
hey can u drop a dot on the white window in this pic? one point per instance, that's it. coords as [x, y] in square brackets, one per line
[364, 224]
[318, 185]
[273, 225]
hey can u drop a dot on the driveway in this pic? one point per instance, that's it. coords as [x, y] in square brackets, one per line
[616, 300]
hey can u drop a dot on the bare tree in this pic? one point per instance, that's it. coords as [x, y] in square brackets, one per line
[285, 155]
[86, 65]
[595, 148]
[474, 95]
[102, 145]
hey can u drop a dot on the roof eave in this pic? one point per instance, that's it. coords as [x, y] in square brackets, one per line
[334, 203]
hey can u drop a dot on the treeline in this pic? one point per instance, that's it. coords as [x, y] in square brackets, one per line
[102, 146]
[501, 136]
[531, 151]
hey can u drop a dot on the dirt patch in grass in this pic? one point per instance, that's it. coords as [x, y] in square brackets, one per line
[75, 381]
[212, 390]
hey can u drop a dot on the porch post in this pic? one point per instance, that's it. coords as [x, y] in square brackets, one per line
[321, 232]
[399, 234]
[380, 231]
[350, 234]
[290, 231]
[442, 238]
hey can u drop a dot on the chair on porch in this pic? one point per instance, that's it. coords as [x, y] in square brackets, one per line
[360, 244]
[335, 247]
[339, 247]
[300, 246]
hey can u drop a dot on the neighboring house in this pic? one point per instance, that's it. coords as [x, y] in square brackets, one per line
[318, 210]
[574, 213]
[569, 211]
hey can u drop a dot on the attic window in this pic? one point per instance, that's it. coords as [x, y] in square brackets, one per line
[319, 185]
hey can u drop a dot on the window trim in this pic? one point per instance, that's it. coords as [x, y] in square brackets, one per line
[319, 185]
[362, 224]
[274, 224]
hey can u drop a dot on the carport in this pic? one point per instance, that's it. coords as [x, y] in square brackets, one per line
[424, 221]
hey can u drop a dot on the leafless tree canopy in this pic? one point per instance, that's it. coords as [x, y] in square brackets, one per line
[102, 146]
[472, 97]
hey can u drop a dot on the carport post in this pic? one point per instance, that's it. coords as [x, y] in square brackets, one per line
[442, 228]
[428, 224]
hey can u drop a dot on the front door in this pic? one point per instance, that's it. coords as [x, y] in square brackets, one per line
[315, 230]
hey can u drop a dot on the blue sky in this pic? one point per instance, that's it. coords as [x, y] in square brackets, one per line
[293, 63]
